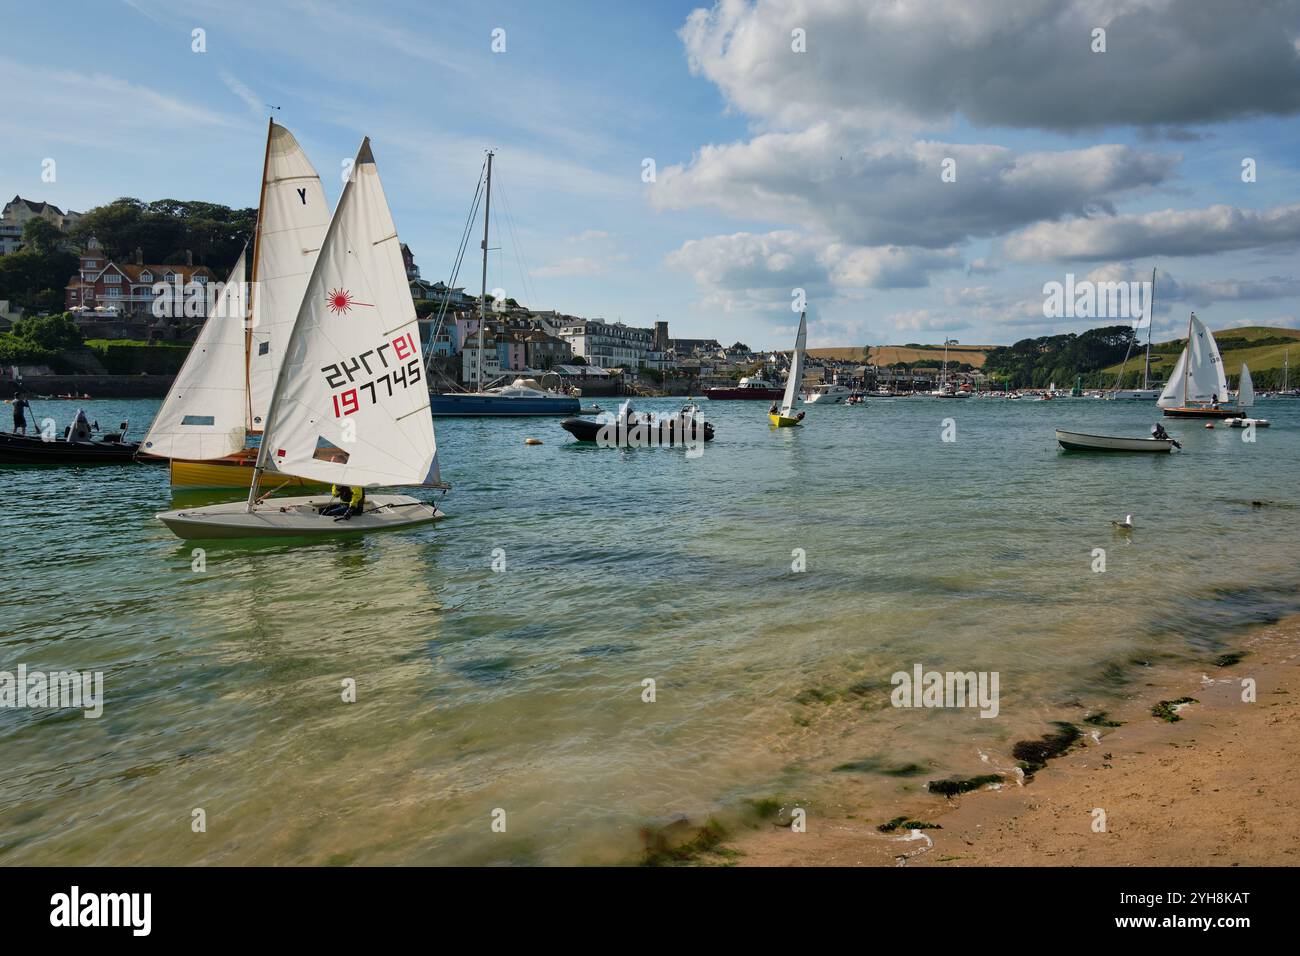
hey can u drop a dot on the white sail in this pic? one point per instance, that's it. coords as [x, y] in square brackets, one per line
[795, 381]
[1198, 377]
[291, 227]
[351, 405]
[203, 415]
[1246, 391]
[1172, 396]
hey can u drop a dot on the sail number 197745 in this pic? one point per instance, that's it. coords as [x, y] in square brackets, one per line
[405, 371]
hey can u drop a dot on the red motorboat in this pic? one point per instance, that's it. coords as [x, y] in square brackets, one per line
[749, 388]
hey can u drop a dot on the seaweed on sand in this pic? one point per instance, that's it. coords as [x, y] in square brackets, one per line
[906, 824]
[1100, 719]
[1034, 754]
[1167, 710]
[953, 786]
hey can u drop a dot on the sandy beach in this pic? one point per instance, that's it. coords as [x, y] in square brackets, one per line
[1218, 787]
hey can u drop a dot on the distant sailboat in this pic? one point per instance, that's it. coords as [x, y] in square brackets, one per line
[1146, 392]
[1197, 384]
[523, 396]
[785, 417]
[1245, 400]
[350, 404]
[218, 402]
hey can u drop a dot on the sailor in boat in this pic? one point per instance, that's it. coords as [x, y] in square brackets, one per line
[351, 501]
[79, 430]
[21, 407]
[1158, 432]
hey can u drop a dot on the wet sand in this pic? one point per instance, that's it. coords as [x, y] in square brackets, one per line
[1219, 787]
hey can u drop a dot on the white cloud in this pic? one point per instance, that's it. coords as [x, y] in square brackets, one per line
[891, 192]
[1169, 232]
[1026, 63]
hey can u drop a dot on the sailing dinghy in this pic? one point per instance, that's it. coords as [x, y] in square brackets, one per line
[785, 417]
[217, 406]
[350, 405]
[1197, 385]
[1245, 400]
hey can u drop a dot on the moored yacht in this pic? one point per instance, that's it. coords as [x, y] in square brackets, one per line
[831, 394]
[523, 396]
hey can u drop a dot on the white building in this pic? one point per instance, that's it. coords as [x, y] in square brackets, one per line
[469, 362]
[608, 344]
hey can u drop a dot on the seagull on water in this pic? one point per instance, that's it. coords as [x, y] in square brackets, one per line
[1125, 525]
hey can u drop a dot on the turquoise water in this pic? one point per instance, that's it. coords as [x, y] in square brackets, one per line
[521, 690]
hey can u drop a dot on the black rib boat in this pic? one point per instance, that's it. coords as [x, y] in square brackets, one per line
[631, 430]
[33, 450]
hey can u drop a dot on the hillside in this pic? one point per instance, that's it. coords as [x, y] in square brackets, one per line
[1235, 346]
[972, 355]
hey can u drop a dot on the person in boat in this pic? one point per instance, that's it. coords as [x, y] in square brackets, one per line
[773, 410]
[79, 430]
[21, 407]
[1158, 432]
[350, 502]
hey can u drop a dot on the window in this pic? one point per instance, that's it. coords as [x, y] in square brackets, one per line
[199, 420]
[263, 348]
[113, 278]
[201, 280]
[146, 276]
[113, 293]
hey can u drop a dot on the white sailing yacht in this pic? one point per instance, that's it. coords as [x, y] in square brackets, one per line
[1197, 386]
[350, 405]
[785, 416]
[1245, 400]
[220, 398]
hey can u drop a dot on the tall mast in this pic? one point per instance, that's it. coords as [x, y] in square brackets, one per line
[1151, 307]
[248, 313]
[482, 299]
[1187, 366]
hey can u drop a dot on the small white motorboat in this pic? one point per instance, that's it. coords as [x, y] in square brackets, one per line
[1244, 422]
[827, 394]
[1077, 441]
[296, 517]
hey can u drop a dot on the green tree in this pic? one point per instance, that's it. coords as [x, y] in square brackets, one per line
[42, 236]
[53, 332]
[34, 280]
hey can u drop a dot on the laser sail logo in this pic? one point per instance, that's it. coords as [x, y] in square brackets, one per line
[79, 690]
[134, 910]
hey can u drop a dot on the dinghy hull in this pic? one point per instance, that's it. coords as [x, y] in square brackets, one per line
[234, 471]
[1077, 441]
[783, 421]
[296, 518]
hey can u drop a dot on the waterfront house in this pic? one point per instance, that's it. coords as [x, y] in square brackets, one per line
[608, 344]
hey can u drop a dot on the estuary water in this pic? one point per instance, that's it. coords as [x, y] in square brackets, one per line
[769, 588]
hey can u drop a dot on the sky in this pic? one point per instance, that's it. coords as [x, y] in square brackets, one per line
[920, 170]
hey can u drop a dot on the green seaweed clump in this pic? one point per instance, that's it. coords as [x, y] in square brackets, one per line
[674, 845]
[1099, 719]
[1167, 710]
[906, 824]
[1034, 754]
[953, 786]
[1227, 660]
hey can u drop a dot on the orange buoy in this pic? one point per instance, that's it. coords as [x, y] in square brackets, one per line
[532, 441]
[1209, 424]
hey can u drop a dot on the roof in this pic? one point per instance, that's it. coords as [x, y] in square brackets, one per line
[39, 207]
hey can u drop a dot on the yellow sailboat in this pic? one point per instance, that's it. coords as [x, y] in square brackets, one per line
[209, 422]
[785, 417]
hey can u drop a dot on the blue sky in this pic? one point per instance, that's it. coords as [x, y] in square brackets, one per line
[775, 168]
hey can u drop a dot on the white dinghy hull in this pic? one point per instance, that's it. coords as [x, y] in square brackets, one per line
[296, 518]
[1077, 441]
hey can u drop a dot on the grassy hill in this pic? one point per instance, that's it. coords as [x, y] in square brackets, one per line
[972, 355]
[1261, 347]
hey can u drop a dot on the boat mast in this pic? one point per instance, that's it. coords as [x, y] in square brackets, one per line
[1187, 365]
[1151, 307]
[482, 299]
[248, 311]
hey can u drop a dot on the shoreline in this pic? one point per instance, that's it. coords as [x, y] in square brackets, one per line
[1220, 786]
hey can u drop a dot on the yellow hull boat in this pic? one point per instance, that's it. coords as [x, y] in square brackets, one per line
[782, 421]
[235, 471]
